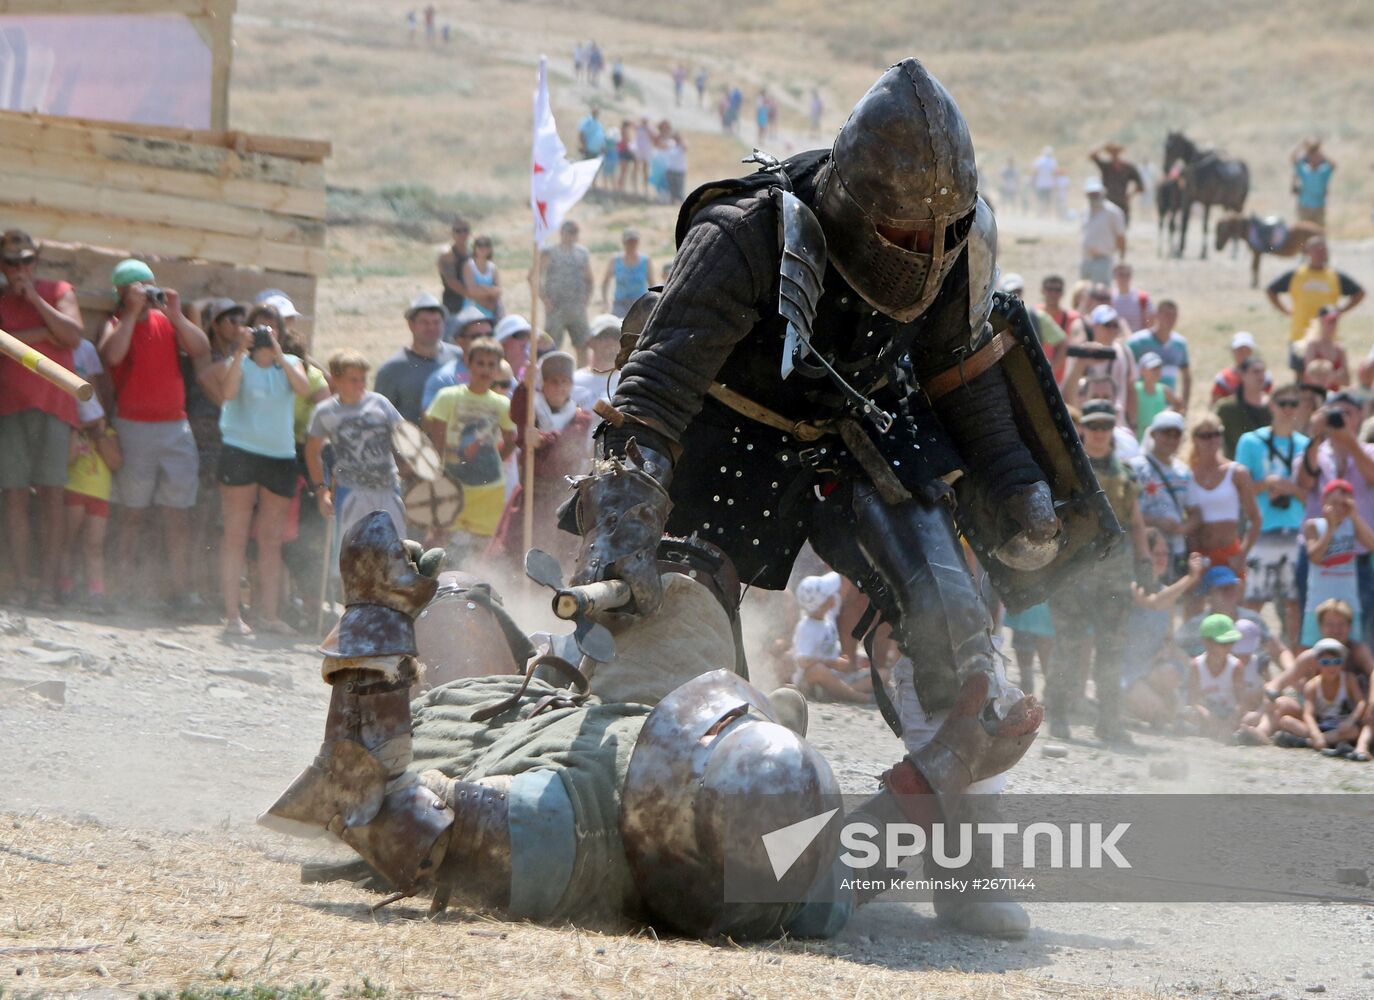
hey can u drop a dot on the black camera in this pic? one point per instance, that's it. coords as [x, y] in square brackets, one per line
[156, 296]
[1335, 419]
[1097, 352]
[262, 337]
[1280, 503]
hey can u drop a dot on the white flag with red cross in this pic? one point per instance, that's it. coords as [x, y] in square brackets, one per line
[555, 184]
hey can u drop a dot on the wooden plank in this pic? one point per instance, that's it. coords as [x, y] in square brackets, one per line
[122, 176]
[162, 209]
[52, 136]
[115, 6]
[76, 227]
[303, 150]
[88, 268]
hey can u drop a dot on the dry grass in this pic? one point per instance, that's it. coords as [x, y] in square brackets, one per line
[137, 912]
[419, 132]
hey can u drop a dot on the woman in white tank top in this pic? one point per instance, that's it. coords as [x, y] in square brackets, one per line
[1218, 494]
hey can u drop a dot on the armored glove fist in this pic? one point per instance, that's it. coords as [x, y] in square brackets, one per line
[1033, 528]
[621, 510]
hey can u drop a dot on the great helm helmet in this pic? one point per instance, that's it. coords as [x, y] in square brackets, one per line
[712, 771]
[898, 195]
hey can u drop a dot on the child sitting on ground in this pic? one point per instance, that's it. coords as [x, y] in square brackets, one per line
[93, 457]
[1216, 681]
[1332, 706]
[821, 670]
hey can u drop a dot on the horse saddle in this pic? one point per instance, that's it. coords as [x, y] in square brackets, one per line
[1268, 234]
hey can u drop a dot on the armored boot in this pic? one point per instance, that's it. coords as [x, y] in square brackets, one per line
[358, 787]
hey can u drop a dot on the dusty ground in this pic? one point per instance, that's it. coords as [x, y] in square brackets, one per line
[137, 782]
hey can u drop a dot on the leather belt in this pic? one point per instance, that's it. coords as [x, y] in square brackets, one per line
[970, 367]
[802, 430]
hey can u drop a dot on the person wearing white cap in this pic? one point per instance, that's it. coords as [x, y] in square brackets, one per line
[598, 378]
[820, 667]
[1104, 234]
[471, 324]
[402, 377]
[513, 334]
[1164, 479]
[1227, 380]
[1104, 356]
[1043, 172]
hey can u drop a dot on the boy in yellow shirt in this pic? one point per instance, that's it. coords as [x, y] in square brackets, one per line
[93, 457]
[471, 427]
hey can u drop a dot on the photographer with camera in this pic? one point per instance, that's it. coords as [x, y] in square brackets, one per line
[1271, 454]
[142, 344]
[1336, 453]
[257, 469]
[1104, 353]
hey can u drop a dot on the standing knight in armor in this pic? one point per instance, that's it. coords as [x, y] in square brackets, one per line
[828, 362]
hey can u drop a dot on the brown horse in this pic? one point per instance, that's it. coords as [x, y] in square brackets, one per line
[1264, 236]
[1209, 179]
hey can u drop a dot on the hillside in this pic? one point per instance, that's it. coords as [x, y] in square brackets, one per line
[420, 131]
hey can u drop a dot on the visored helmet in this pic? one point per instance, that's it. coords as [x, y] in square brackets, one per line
[898, 196]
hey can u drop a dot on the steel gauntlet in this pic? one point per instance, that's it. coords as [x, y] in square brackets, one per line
[620, 511]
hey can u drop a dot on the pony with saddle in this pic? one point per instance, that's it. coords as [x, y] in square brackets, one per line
[1269, 235]
[1208, 178]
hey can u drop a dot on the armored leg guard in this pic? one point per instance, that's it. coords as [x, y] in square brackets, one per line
[477, 865]
[357, 787]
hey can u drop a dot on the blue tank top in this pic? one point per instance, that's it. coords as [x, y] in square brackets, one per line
[261, 418]
[484, 279]
[631, 282]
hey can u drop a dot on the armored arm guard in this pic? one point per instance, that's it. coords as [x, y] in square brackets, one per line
[722, 278]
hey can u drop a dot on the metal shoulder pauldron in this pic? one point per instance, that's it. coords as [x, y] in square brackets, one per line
[802, 272]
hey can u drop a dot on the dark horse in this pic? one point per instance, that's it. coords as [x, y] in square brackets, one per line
[1209, 178]
[1168, 203]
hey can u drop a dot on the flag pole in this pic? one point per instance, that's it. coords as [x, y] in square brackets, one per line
[531, 433]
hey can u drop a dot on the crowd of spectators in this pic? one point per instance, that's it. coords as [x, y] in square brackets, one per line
[225, 455]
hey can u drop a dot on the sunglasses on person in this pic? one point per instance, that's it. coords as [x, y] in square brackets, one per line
[461, 230]
[1330, 661]
[1052, 288]
[1287, 404]
[1206, 435]
[1169, 431]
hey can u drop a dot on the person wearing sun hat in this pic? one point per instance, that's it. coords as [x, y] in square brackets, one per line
[1164, 479]
[1120, 178]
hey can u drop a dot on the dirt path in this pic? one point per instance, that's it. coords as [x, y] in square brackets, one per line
[149, 733]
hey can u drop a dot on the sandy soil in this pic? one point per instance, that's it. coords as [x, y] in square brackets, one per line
[150, 733]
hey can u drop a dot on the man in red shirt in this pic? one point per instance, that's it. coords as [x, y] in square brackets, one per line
[36, 417]
[1052, 293]
[142, 345]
